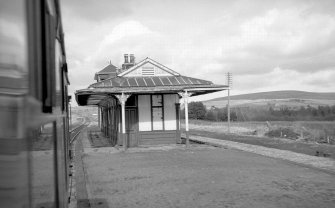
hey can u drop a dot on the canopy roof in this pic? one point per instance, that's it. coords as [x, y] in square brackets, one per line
[152, 81]
[131, 82]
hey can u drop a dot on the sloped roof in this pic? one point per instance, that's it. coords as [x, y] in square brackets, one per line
[154, 81]
[92, 96]
[173, 82]
[108, 70]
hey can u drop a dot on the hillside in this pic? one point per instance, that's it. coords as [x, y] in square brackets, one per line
[281, 95]
[276, 99]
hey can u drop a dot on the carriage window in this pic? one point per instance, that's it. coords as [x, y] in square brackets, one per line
[48, 59]
[42, 54]
[157, 112]
[13, 45]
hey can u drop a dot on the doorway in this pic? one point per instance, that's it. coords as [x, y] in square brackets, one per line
[131, 127]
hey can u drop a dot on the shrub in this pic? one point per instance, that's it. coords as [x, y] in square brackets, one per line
[282, 132]
[196, 110]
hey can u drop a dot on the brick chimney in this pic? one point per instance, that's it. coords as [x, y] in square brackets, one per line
[129, 61]
[126, 60]
[132, 58]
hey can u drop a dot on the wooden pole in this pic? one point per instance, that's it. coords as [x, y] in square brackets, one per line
[228, 111]
[229, 82]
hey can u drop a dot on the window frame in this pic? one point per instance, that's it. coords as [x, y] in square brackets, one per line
[135, 102]
[152, 116]
[42, 34]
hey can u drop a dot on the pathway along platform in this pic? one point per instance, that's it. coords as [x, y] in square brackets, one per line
[325, 164]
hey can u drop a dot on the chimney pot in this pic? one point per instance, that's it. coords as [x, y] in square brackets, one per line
[132, 58]
[126, 58]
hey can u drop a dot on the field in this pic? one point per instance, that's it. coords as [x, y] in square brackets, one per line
[291, 99]
[265, 103]
[312, 138]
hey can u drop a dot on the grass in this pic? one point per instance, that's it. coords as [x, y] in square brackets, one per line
[303, 137]
[314, 131]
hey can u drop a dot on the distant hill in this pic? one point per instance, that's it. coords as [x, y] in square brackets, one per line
[282, 95]
[291, 99]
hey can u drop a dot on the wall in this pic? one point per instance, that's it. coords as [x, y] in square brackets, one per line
[144, 113]
[170, 101]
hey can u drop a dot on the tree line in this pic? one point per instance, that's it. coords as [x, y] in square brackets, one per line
[198, 111]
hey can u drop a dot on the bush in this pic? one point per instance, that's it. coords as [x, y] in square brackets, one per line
[196, 110]
[283, 132]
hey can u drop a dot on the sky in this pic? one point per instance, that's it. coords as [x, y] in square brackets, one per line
[266, 45]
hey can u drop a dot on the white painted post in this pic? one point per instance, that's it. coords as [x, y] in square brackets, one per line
[186, 119]
[122, 99]
[123, 115]
[185, 96]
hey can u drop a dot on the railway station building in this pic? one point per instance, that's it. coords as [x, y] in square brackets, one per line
[139, 103]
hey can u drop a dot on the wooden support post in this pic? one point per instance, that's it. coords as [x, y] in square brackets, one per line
[185, 95]
[122, 99]
[178, 139]
[186, 121]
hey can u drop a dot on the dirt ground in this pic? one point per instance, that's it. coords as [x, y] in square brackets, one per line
[201, 176]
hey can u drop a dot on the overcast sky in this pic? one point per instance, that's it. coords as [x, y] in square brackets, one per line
[266, 45]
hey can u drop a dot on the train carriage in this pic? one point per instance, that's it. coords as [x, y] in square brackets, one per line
[34, 127]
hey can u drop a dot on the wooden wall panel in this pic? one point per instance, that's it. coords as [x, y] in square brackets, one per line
[170, 111]
[157, 137]
[144, 113]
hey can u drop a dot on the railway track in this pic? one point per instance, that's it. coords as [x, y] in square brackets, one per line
[74, 134]
[76, 131]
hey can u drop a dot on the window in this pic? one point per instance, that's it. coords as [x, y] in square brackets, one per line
[48, 59]
[131, 101]
[42, 54]
[157, 114]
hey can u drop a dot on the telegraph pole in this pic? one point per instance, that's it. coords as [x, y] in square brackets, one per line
[229, 82]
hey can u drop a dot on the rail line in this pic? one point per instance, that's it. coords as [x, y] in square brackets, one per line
[76, 131]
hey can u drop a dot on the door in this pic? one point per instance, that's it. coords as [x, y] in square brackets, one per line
[131, 127]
